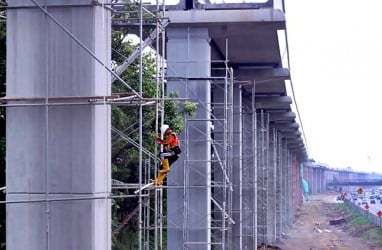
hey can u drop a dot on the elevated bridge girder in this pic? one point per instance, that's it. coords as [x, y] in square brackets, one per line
[359, 182]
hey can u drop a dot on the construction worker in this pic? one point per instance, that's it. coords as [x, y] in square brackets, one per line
[171, 151]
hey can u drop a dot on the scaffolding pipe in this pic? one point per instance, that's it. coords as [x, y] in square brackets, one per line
[255, 163]
[225, 214]
[153, 36]
[130, 140]
[59, 101]
[47, 172]
[222, 167]
[84, 47]
[266, 170]
[230, 107]
[185, 184]
[259, 154]
[274, 179]
[140, 120]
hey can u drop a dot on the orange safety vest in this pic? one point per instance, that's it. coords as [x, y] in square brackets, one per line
[172, 141]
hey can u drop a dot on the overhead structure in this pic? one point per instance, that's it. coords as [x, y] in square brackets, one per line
[237, 182]
[246, 43]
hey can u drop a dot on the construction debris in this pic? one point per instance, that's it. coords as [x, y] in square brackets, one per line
[337, 221]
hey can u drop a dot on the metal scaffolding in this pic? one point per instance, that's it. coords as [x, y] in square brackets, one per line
[149, 213]
[249, 174]
[222, 160]
[262, 176]
[220, 122]
[248, 158]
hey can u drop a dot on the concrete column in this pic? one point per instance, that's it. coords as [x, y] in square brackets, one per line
[219, 166]
[262, 139]
[296, 185]
[232, 156]
[238, 169]
[278, 187]
[316, 182]
[310, 179]
[57, 153]
[249, 192]
[313, 183]
[324, 180]
[189, 221]
[284, 187]
[318, 170]
[289, 189]
[271, 195]
[319, 181]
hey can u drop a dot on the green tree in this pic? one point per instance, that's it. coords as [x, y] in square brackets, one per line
[125, 156]
[125, 118]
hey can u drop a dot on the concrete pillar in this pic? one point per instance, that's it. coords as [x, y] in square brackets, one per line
[306, 173]
[317, 182]
[278, 187]
[290, 189]
[313, 183]
[318, 173]
[296, 185]
[189, 222]
[324, 180]
[284, 187]
[310, 180]
[249, 192]
[271, 197]
[220, 159]
[58, 153]
[262, 138]
[238, 169]
[233, 155]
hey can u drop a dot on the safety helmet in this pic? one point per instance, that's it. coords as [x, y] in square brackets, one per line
[163, 128]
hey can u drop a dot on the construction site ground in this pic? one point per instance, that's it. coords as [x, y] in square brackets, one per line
[312, 229]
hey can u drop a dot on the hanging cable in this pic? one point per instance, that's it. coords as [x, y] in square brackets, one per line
[292, 88]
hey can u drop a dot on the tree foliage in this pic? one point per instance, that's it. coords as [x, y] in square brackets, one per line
[125, 155]
[125, 119]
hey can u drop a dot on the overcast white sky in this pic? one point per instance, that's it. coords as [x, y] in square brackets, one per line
[335, 49]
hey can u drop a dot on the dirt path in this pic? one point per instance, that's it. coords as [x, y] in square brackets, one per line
[312, 229]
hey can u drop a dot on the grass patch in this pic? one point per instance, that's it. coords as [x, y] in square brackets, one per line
[349, 213]
[361, 225]
[352, 215]
[374, 234]
[342, 207]
[359, 220]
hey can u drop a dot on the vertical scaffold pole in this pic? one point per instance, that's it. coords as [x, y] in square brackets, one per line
[255, 164]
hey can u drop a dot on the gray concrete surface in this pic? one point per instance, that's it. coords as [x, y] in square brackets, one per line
[58, 156]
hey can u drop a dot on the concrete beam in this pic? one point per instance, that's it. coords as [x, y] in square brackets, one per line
[273, 102]
[50, 3]
[231, 18]
[262, 75]
[281, 116]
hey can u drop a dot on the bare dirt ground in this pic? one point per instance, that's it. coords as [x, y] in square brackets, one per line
[312, 229]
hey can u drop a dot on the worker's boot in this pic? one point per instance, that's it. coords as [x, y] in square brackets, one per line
[165, 165]
[159, 180]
